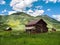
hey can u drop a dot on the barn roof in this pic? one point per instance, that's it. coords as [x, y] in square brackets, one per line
[34, 21]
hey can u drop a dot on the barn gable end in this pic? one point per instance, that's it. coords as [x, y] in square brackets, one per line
[37, 26]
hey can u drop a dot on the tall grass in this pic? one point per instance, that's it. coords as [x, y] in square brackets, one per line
[19, 38]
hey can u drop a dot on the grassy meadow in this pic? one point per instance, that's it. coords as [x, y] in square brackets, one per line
[17, 36]
[21, 38]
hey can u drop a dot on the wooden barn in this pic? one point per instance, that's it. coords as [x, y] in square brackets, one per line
[37, 26]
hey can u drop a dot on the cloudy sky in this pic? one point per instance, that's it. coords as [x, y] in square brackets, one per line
[31, 7]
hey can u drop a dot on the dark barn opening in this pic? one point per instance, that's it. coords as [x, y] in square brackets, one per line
[37, 26]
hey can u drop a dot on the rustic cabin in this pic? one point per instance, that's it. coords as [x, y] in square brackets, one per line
[37, 26]
[8, 29]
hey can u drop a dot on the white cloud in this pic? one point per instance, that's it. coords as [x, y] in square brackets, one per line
[30, 5]
[11, 12]
[20, 5]
[35, 13]
[48, 9]
[4, 11]
[30, 11]
[2, 2]
[39, 7]
[54, 1]
[57, 17]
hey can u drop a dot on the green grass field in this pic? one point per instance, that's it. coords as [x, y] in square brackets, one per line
[19, 38]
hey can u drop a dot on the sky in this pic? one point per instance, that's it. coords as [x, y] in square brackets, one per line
[31, 7]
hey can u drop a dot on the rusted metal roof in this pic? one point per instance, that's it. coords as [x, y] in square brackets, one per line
[34, 22]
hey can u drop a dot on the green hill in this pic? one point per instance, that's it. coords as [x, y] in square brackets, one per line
[18, 20]
[52, 23]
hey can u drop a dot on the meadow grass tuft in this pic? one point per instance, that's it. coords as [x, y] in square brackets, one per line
[19, 38]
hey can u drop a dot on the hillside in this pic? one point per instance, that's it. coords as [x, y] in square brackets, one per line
[52, 23]
[18, 20]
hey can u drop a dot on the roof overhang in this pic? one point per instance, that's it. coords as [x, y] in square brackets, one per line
[30, 27]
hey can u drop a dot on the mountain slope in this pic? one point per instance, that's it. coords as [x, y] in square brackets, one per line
[18, 20]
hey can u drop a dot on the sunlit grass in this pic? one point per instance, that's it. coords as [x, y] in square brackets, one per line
[13, 23]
